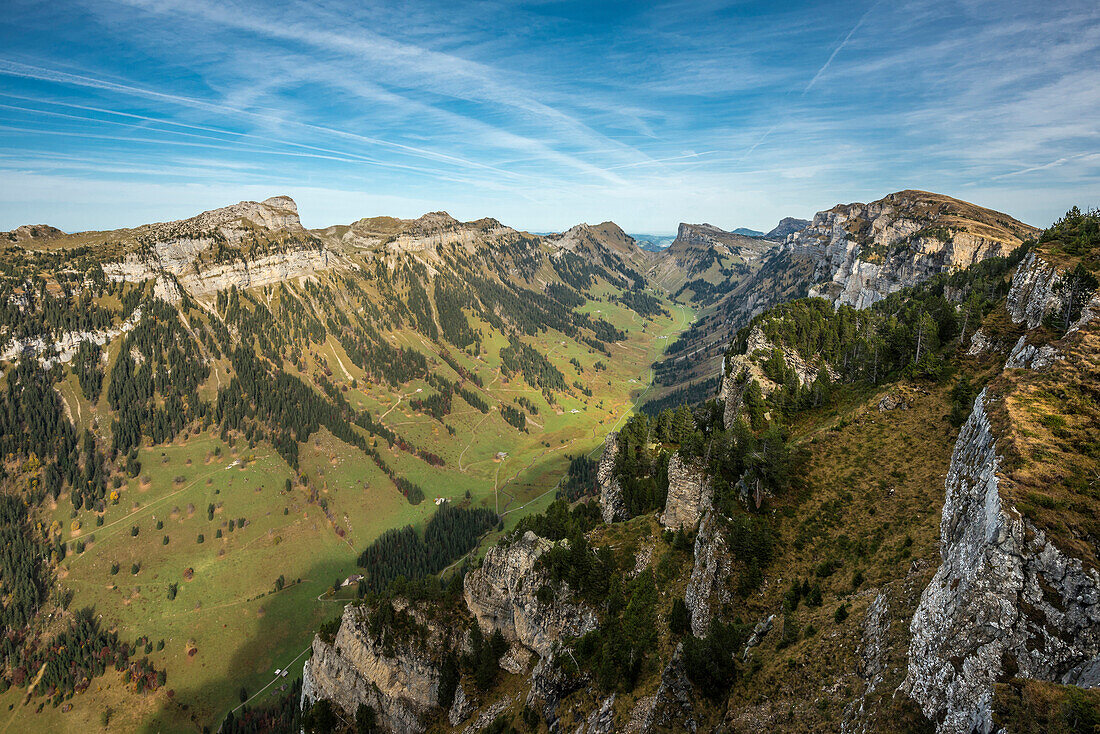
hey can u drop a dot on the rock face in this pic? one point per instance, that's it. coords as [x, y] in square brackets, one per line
[739, 369]
[1032, 295]
[689, 494]
[503, 595]
[278, 248]
[400, 680]
[1029, 356]
[612, 506]
[864, 252]
[1004, 601]
[61, 348]
[704, 590]
[672, 707]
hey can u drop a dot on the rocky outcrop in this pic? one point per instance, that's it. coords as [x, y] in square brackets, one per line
[549, 685]
[60, 349]
[864, 252]
[461, 707]
[1029, 356]
[739, 369]
[1033, 294]
[759, 632]
[32, 233]
[872, 655]
[890, 401]
[980, 343]
[398, 678]
[612, 505]
[504, 595]
[705, 589]
[1005, 601]
[689, 493]
[671, 707]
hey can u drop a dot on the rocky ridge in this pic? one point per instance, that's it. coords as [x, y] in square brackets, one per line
[400, 680]
[1007, 601]
[503, 595]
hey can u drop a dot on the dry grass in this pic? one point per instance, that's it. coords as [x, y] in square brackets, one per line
[1048, 424]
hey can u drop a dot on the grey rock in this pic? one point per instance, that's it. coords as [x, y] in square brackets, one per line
[1029, 356]
[461, 707]
[759, 632]
[1003, 594]
[689, 493]
[401, 681]
[705, 589]
[612, 505]
[1033, 293]
[503, 595]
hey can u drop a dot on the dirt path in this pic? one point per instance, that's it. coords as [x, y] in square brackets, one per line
[341, 363]
[473, 434]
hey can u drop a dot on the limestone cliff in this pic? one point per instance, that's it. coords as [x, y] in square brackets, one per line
[612, 506]
[1017, 593]
[857, 254]
[504, 594]
[244, 245]
[1004, 602]
[864, 252]
[689, 494]
[397, 676]
[1033, 294]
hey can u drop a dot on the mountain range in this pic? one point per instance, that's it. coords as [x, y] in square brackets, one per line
[458, 476]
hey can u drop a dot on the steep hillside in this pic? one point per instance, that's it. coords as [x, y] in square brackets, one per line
[778, 559]
[209, 420]
[704, 261]
[854, 255]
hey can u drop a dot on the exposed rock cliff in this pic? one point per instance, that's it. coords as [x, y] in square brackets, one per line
[689, 494]
[1004, 602]
[399, 678]
[1033, 294]
[864, 252]
[612, 506]
[705, 589]
[245, 245]
[857, 254]
[504, 595]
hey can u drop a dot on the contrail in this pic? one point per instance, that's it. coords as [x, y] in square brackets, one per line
[837, 49]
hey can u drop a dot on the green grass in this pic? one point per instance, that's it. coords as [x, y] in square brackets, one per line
[228, 612]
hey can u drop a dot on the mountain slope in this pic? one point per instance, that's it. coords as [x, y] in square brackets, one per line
[227, 409]
[704, 261]
[801, 576]
[854, 254]
[787, 226]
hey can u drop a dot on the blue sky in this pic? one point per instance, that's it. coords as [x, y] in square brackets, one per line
[543, 114]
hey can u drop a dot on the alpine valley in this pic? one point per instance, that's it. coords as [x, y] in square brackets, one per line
[425, 475]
